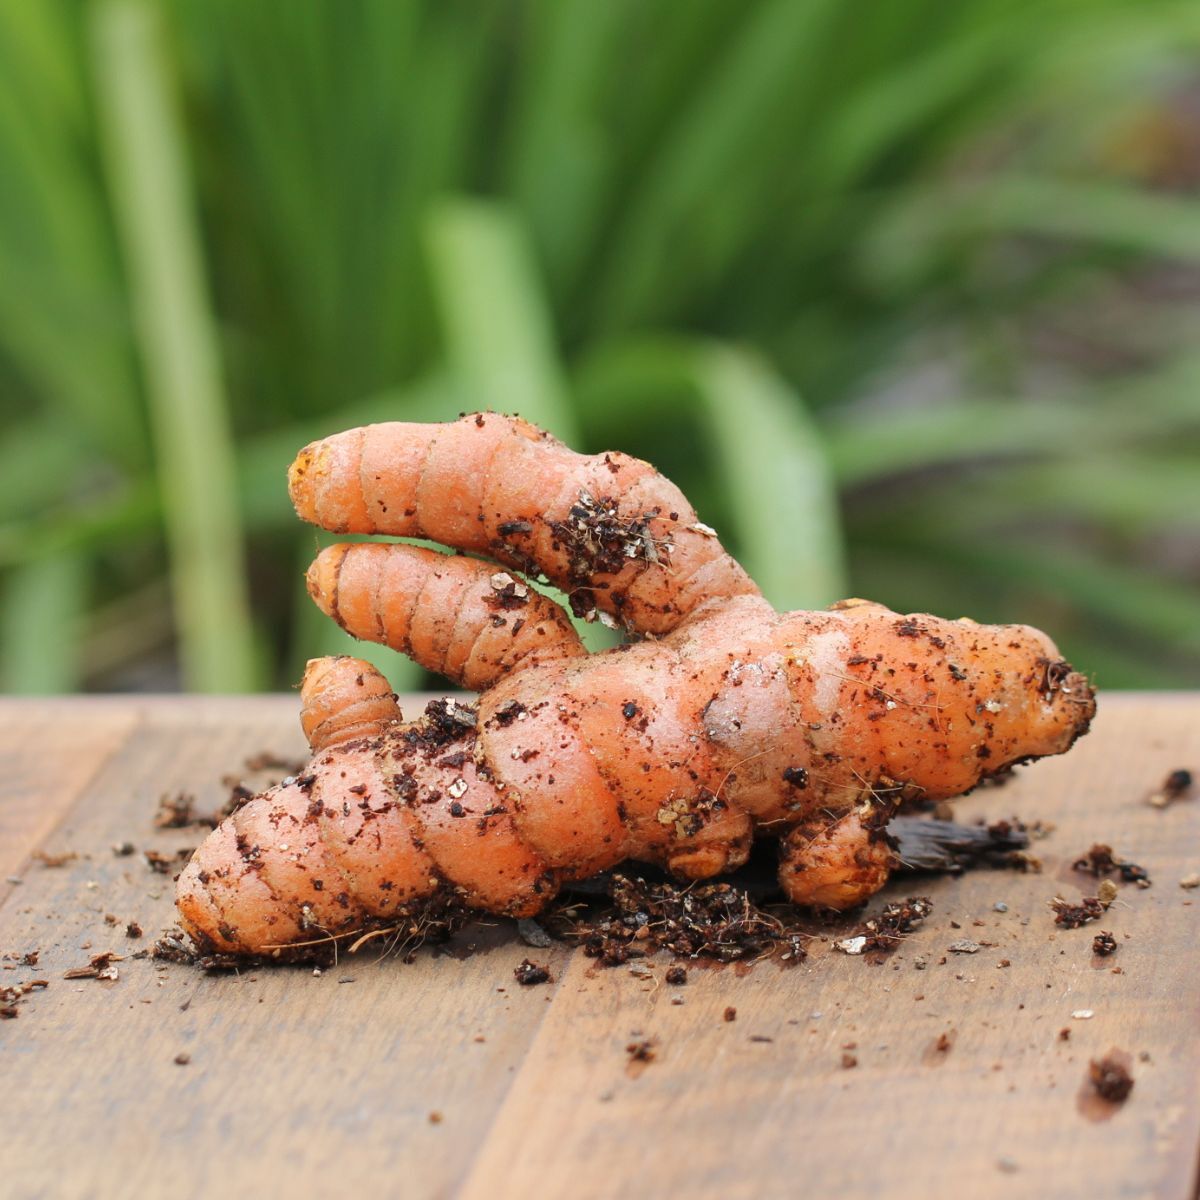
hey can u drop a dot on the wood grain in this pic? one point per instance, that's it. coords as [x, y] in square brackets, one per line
[298, 1083]
[302, 1085]
[50, 752]
[717, 1114]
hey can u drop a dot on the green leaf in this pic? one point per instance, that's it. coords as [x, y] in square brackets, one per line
[773, 47]
[40, 625]
[777, 477]
[1116, 215]
[178, 345]
[498, 332]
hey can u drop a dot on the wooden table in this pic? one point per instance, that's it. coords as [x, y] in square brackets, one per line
[444, 1078]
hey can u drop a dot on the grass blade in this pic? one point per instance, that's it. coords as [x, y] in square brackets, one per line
[40, 625]
[498, 332]
[177, 343]
[777, 477]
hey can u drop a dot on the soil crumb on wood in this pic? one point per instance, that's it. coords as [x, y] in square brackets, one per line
[715, 921]
[641, 1053]
[529, 973]
[1072, 916]
[13, 996]
[178, 811]
[1175, 786]
[54, 860]
[884, 932]
[1100, 861]
[1111, 1078]
[167, 864]
[939, 1049]
[100, 966]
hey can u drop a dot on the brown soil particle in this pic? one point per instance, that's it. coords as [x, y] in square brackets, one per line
[174, 947]
[100, 966]
[889, 928]
[1176, 785]
[641, 1051]
[530, 973]
[1100, 861]
[1071, 916]
[676, 976]
[599, 539]
[1097, 861]
[54, 860]
[730, 1014]
[269, 760]
[1104, 944]
[1110, 1078]
[163, 864]
[182, 1060]
[1132, 873]
[178, 811]
[849, 1060]
[713, 921]
[13, 996]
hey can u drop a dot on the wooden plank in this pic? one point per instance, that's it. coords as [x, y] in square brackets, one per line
[998, 1113]
[50, 753]
[297, 1084]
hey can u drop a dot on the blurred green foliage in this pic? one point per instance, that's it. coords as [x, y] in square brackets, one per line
[903, 293]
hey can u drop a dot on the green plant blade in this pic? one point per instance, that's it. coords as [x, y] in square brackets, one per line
[40, 625]
[498, 334]
[777, 477]
[177, 344]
